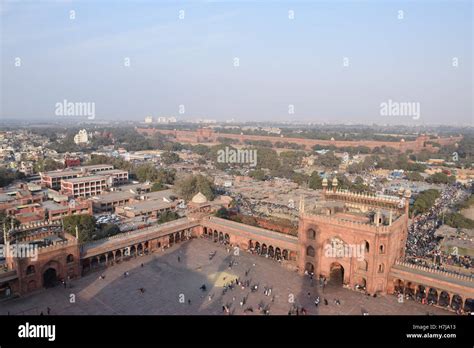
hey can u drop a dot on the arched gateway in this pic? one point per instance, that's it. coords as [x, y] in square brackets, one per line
[50, 278]
[336, 274]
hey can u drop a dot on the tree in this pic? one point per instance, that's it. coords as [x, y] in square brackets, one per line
[107, 230]
[85, 224]
[167, 216]
[440, 178]
[414, 176]
[267, 158]
[315, 181]
[257, 174]
[329, 160]
[169, 157]
[202, 150]
[8, 176]
[166, 176]
[46, 165]
[157, 186]
[118, 163]
[458, 220]
[299, 178]
[192, 184]
[146, 172]
[222, 213]
[291, 158]
[425, 201]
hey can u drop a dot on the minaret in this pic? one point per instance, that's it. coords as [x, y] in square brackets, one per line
[7, 252]
[77, 233]
[407, 196]
[325, 185]
[334, 184]
[301, 210]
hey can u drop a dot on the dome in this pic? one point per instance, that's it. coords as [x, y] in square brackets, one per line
[407, 193]
[401, 190]
[199, 198]
[325, 182]
[334, 181]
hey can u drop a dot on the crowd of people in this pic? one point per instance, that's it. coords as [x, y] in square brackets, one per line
[423, 246]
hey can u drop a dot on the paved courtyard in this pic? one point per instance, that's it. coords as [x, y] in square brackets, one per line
[171, 281]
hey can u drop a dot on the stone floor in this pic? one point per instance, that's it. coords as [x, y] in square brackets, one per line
[169, 283]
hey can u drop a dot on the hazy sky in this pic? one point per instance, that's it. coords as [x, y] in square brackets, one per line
[282, 61]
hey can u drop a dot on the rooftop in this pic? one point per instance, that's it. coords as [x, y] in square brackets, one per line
[95, 166]
[113, 171]
[86, 178]
[113, 196]
[61, 173]
[147, 206]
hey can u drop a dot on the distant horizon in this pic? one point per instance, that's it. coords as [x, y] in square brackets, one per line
[73, 122]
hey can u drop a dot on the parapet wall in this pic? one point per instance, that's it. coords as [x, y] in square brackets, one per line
[434, 271]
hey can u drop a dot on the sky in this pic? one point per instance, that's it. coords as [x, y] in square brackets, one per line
[310, 61]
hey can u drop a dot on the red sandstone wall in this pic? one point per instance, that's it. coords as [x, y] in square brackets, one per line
[209, 135]
[263, 223]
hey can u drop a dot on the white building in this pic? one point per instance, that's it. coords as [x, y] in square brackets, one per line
[162, 119]
[81, 137]
[148, 119]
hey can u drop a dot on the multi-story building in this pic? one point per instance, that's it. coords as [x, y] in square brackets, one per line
[115, 176]
[108, 202]
[56, 211]
[81, 137]
[151, 209]
[53, 179]
[84, 186]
